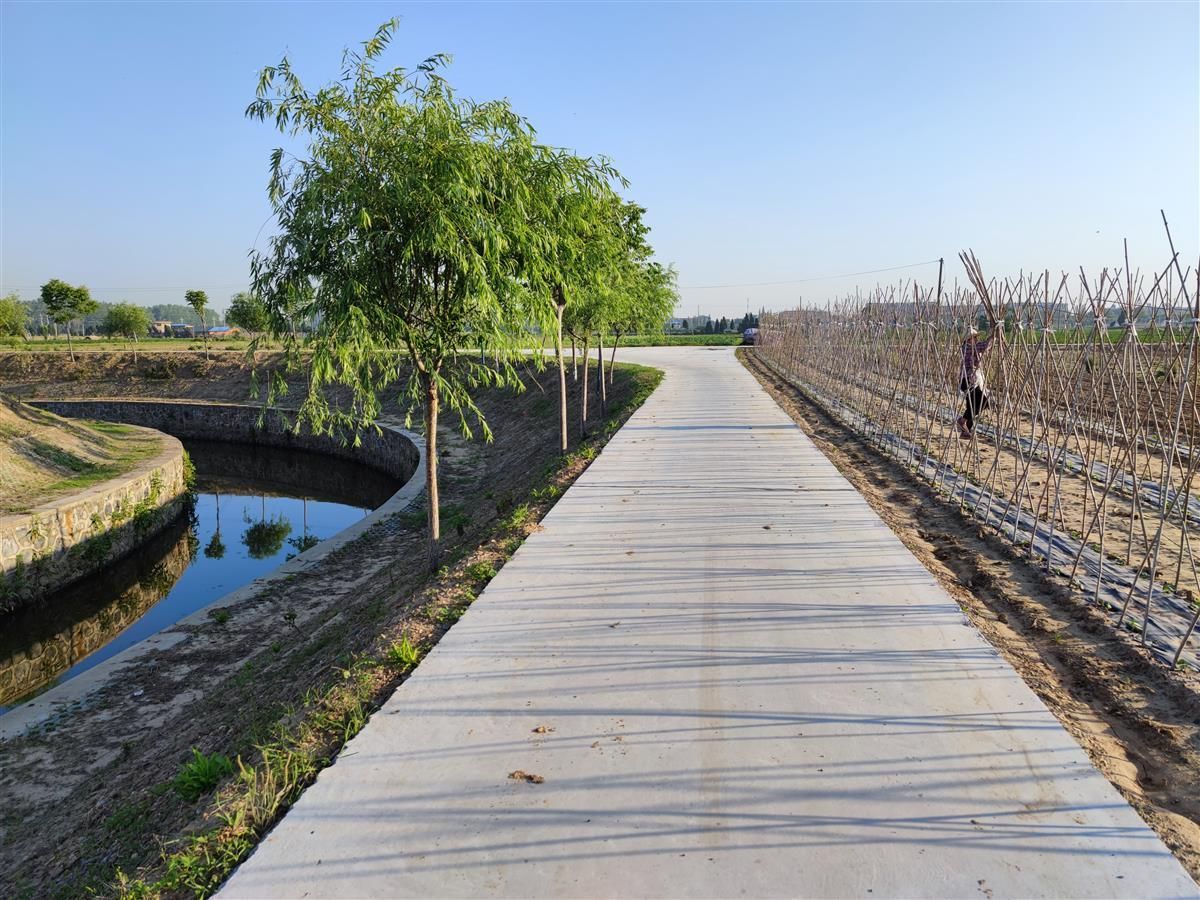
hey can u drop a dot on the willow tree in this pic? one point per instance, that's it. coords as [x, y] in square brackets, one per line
[649, 296]
[586, 315]
[404, 230]
[642, 293]
[576, 205]
[590, 307]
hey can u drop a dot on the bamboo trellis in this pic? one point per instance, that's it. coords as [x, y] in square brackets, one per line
[1087, 454]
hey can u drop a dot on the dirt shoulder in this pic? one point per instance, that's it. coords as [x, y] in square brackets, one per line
[1138, 721]
[287, 674]
[153, 375]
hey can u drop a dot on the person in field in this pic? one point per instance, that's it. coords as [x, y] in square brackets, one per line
[971, 381]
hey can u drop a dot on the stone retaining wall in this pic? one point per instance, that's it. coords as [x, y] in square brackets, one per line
[63, 540]
[27, 670]
[395, 451]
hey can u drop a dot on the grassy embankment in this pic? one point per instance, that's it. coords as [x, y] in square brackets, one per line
[43, 456]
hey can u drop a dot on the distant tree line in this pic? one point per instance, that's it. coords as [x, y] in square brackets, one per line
[33, 318]
[722, 325]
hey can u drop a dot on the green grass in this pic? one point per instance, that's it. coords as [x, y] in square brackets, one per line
[201, 774]
[481, 572]
[76, 472]
[112, 428]
[677, 340]
[87, 473]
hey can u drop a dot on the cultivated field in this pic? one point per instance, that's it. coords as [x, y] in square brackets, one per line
[1087, 453]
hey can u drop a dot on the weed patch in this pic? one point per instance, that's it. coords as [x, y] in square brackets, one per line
[200, 775]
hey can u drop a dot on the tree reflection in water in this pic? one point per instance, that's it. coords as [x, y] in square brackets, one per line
[169, 577]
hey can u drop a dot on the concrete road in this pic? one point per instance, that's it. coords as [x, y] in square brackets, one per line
[734, 681]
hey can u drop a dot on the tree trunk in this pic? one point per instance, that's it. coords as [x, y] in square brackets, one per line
[70, 347]
[431, 480]
[583, 410]
[204, 331]
[613, 359]
[600, 373]
[562, 379]
[574, 364]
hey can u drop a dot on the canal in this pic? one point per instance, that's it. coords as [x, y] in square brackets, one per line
[255, 508]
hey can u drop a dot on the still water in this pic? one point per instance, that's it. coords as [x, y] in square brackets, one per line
[255, 508]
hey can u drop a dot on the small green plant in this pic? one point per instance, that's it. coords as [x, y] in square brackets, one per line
[201, 774]
[542, 494]
[145, 515]
[518, 516]
[481, 572]
[121, 512]
[403, 654]
[220, 616]
[448, 615]
[189, 472]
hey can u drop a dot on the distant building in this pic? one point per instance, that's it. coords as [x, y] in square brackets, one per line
[160, 329]
[690, 323]
[183, 330]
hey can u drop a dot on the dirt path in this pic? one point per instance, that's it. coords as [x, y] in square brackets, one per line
[1138, 721]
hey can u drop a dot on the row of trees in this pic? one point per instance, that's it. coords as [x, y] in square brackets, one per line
[30, 317]
[66, 306]
[426, 223]
[723, 325]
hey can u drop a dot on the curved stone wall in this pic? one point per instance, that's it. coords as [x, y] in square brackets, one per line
[390, 450]
[63, 540]
[393, 450]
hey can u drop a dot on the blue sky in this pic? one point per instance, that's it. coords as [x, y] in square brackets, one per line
[769, 142]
